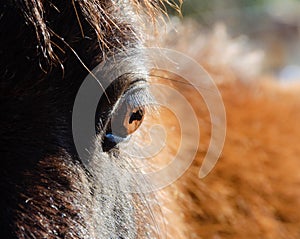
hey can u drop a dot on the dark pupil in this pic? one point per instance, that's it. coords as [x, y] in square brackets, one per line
[138, 115]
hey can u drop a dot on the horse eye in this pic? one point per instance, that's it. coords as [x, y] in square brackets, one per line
[133, 119]
[123, 123]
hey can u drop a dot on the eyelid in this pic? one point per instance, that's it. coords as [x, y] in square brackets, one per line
[137, 96]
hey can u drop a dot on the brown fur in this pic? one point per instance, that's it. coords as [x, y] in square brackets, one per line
[253, 191]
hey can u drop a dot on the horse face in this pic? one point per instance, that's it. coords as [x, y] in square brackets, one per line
[48, 48]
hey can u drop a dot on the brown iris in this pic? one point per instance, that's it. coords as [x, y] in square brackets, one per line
[133, 119]
[127, 121]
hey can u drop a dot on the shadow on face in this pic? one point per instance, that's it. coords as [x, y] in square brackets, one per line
[47, 49]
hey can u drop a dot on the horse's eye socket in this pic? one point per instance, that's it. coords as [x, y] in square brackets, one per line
[123, 123]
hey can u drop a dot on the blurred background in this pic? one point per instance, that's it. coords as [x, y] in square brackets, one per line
[253, 192]
[270, 25]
